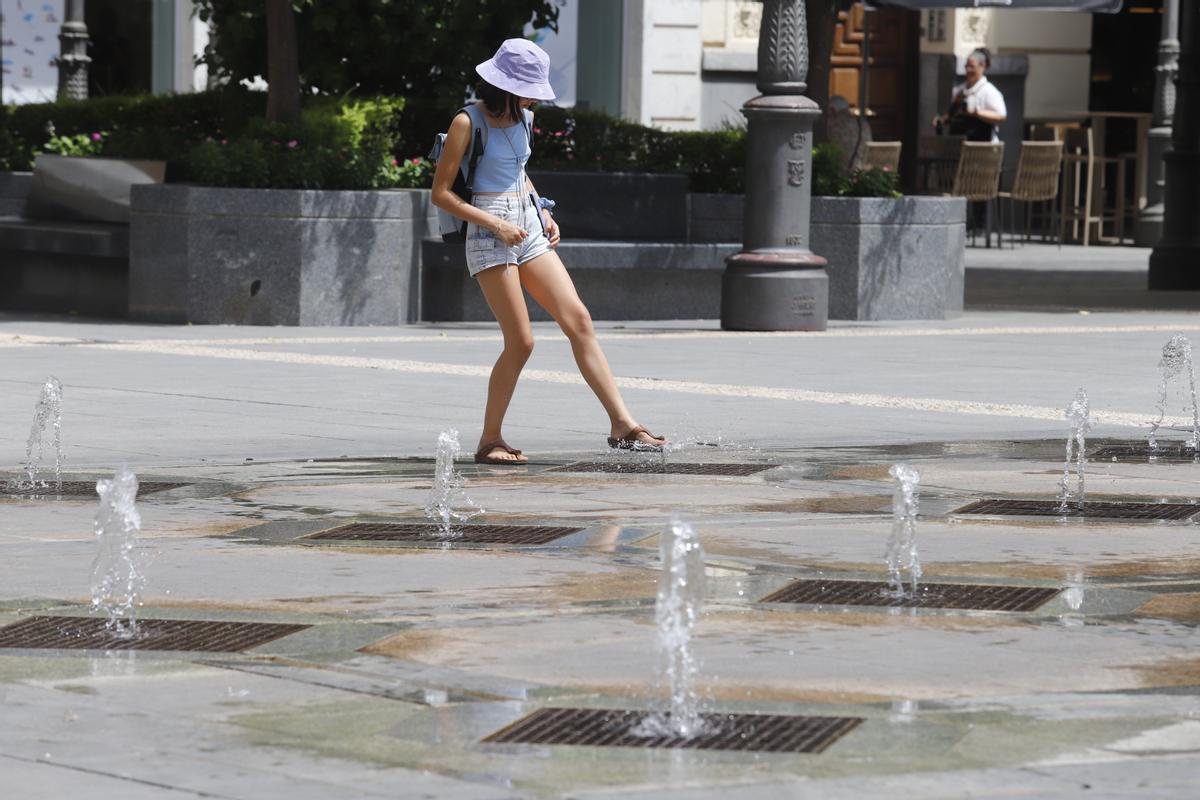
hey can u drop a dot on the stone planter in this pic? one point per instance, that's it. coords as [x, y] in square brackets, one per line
[889, 259]
[715, 217]
[276, 257]
[892, 259]
[617, 280]
[624, 206]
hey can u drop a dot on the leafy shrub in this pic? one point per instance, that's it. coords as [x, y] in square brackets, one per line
[346, 145]
[80, 144]
[220, 138]
[145, 126]
[830, 179]
[589, 141]
[874, 182]
[412, 173]
[15, 153]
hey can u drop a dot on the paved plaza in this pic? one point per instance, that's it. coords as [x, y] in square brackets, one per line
[414, 654]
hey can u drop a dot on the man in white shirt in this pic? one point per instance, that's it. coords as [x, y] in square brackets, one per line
[977, 107]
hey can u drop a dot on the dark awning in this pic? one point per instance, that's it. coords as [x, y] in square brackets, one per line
[1106, 6]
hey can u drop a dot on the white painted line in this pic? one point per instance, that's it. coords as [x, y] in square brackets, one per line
[608, 335]
[27, 340]
[857, 399]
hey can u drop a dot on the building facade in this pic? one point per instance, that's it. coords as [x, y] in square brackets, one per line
[135, 46]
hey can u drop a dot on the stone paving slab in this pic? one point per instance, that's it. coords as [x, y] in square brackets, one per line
[417, 654]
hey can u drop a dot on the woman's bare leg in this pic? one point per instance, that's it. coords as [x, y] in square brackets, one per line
[502, 289]
[548, 283]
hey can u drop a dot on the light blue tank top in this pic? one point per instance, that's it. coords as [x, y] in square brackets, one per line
[501, 168]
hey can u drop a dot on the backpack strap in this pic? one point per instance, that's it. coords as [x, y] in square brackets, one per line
[528, 118]
[478, 141]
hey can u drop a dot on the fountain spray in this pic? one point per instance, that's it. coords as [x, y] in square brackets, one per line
[680, 599]
[1176, 360]
[48, 411]
[902, 544]
[117, 578]
[448, 491]
[1078, 414]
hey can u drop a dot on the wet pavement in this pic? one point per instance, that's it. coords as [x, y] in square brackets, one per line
[415, 651]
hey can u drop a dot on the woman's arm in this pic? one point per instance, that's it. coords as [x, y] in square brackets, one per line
[443, 196]
[994, 117]
[548, 223]
[990, 105]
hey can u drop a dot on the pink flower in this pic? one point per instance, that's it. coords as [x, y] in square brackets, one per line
[887, 168]
[415, 161]
[292, 144]
[559, 133]
[96, 137]
[223, 141]
[395, 163]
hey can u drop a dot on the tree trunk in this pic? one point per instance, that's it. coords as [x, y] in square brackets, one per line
[822, 22]
[283, 63]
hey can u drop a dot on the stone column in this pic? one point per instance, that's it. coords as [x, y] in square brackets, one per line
[73, 61]
[776, 282]
[1175, 261]
[1150, 219]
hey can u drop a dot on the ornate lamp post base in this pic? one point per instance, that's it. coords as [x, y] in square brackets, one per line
[776, 283]
[774, 291]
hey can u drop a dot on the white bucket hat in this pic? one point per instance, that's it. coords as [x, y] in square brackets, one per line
[521, 68]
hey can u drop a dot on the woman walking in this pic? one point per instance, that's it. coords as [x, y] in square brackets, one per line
[977, 107]
[510, 245]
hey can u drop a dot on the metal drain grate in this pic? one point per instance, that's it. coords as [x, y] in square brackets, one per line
[1167, 453]
[418, 532]
[83, 489]
[661, 468]
[1091, 510]
[91, 633]
[975, 597]
[589, 727]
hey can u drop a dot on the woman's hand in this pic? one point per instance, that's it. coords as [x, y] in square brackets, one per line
[512, 235]
[552, 232]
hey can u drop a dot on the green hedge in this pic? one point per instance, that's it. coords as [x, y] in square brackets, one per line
[334, 145]
[144, 126]
[220, 138]
[566, 139]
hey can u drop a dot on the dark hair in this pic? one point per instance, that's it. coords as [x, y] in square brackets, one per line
[498, 101]
[982, 51]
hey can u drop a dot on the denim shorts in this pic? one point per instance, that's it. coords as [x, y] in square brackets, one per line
[485, 250]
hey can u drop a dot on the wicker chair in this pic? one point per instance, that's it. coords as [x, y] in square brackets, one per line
[1038, 166]
[978, 176]
[881, 155]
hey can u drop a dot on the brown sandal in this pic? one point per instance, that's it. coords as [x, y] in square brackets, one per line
[482, 457]
[630, 441]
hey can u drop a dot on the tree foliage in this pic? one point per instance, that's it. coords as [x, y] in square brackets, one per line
[414, 48]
